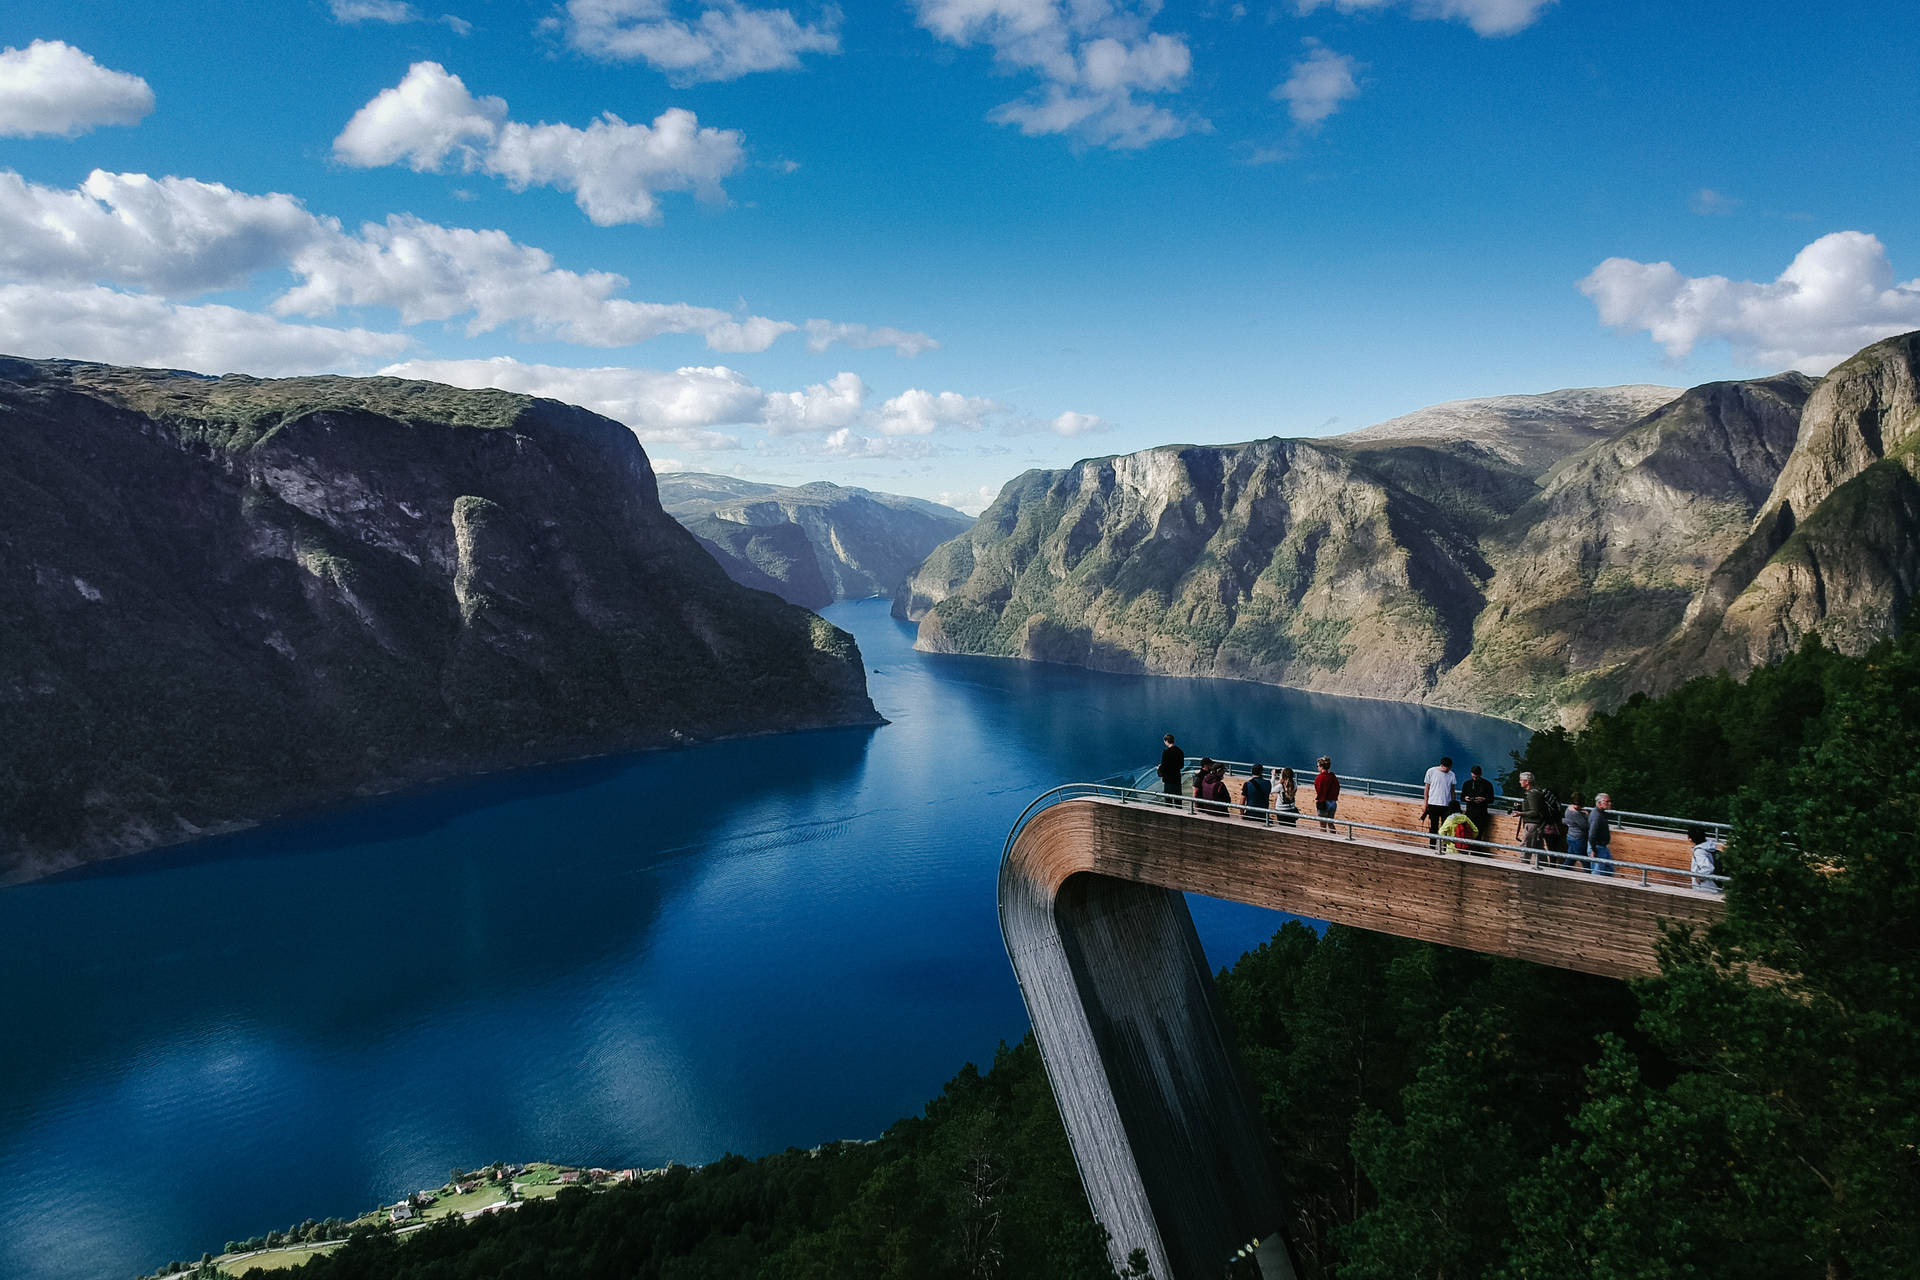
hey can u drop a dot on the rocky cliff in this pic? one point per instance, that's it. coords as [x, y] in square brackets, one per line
[810, 544]
[1537, 560]
[224, 599]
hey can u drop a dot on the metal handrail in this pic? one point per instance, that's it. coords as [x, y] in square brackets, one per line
[1530, 859]
[1393, 786]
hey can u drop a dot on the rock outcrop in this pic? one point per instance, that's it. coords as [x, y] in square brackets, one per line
[1537, 557]
[810, 544]
[226, 599]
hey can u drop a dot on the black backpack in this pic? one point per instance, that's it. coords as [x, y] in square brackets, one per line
[1553, 818]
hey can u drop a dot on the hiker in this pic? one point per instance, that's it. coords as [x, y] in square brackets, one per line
[1576, 820]
[1476, 796]
[1458, 827]
[1326, 793]
[1439, 789]
[1173, 762]
[1706, 859]
[1289, 810]
[1600, 836]
[1256, 794]
[1210, 787]
[1533, 814]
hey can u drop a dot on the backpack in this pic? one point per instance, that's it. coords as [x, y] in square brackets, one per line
[1554, 814]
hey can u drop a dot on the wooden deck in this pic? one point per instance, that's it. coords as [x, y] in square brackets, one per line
[1120, 994]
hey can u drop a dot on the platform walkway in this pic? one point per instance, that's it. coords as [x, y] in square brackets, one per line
[1169, 1146]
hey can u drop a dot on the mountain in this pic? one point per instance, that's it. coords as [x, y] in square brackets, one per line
[1832, 552]
[810, 544]
[229, 598]
[1537, 557]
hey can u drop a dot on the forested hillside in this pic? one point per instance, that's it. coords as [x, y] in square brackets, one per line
[1753, 1112]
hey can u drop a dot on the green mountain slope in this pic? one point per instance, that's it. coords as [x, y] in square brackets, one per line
[225, 599]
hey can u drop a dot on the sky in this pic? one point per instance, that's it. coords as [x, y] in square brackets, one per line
[925, 245]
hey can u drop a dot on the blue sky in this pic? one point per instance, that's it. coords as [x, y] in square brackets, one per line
[1024, 231]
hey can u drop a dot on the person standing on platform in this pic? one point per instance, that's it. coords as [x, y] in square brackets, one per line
[1706, 859]
[1326, 793]
[1440, 787]
[1578, 821]
[1255, 794]
[1456, 828]
[1289, 798]
[1476, 801]
[1533, 814]
[1600, 836]
[1173, 761]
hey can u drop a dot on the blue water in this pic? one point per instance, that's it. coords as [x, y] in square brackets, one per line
[737, 947]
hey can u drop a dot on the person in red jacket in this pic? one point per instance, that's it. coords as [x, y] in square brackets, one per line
[1326, 793]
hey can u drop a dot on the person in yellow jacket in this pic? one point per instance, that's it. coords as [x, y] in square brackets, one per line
[1458, 827]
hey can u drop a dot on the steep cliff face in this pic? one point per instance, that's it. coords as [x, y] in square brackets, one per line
[230, 598]
[1445, 558]
[859, 543]
[1603, 561]
[1835, 549]
[1279, 560]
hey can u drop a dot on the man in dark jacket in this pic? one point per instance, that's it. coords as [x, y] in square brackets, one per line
[1476, 795]
[1172, 762]
[1533, 814]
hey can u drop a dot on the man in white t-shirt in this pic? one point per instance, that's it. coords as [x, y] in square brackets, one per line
[1442, 794]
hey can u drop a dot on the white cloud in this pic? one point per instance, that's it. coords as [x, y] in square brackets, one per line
[458, 25]
[833, 405]
[918, 413]
[1093, 55]
[1071, 423]
[93, 323]
[725, 41]
[1317, 85]
[694, 407]
[615, 170]
[822, 334]
[972, 503]
[181, 237]
[1709, 203]
[391, 11]
[845, 444]
[174, 235]
[662, 406]
[52, 88]
[1486, 17]
[1837, 296]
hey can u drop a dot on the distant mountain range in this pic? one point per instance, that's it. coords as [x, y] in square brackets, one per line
[1533, 556]
[810, 544]
[223, 599]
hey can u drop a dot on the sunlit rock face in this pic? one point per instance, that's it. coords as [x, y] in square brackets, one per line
[230, 598]
[1537, 557]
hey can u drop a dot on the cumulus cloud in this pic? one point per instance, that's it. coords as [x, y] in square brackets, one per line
[822, 334]
[615, 170]
[972, 503]
[919, 413]
[180, 237]
[724, 41]
[1836, 296]
[1093, 57]
[1317, 85]
[52, 88]
[94, 323]
[830, 406]
[698, 407]
[1486, 17]
[1071, 423]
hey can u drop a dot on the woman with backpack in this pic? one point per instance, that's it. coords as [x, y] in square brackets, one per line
[1210, 787]
[1575, 820]
[1289, 797]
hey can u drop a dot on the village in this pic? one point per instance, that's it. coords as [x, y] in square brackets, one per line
[496, 1188]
